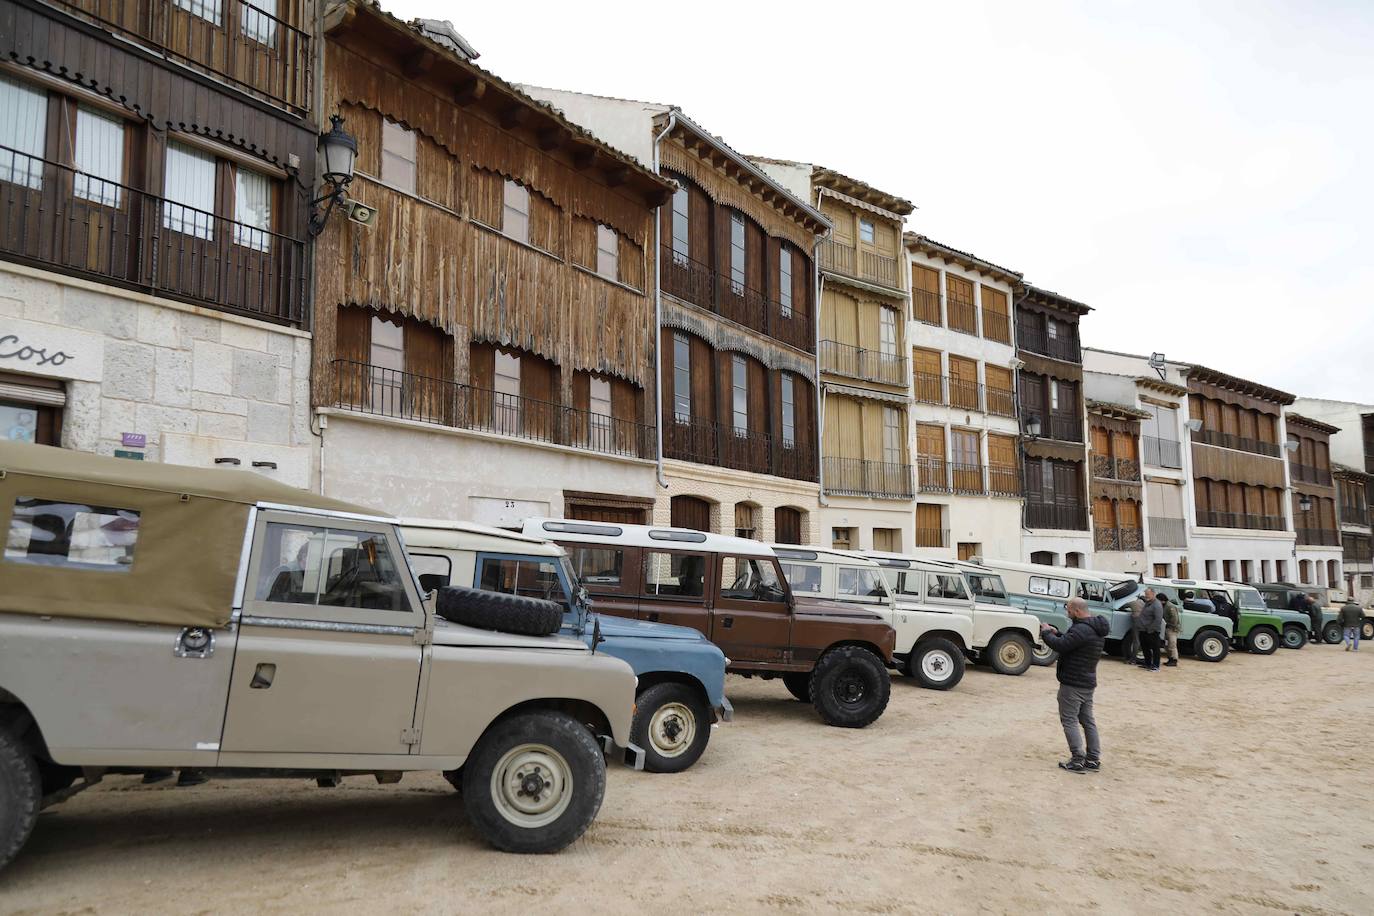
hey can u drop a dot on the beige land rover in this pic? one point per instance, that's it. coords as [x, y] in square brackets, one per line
[156, 617]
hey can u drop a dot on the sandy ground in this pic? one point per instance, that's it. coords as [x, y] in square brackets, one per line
[1242, 787]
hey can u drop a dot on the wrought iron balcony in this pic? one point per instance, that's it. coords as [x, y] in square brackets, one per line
[1000, 401]
[695, 282]
[859, 264]
[928, 388]
[996, 326]
[925, 306]
[720, 444]
[1054, 347]
[1306, 473]
[968, 479]
[1065, 518]
[859, 477]
[962, 316]
[1318, 537]
[932, 474]
[1168, 532]
[857, 362]
[1161, 453]
[1003, 480]
[932, 537]
[1064, 427]
[1210, 519]
[1240, 443]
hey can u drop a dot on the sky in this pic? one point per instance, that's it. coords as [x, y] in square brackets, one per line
[1201, 174]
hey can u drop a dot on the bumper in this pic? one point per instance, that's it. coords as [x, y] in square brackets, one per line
[725, 712]
[632, 755]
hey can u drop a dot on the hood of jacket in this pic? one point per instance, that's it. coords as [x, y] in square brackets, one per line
[1099, 624]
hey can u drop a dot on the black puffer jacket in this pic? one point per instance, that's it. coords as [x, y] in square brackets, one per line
[1079, 649]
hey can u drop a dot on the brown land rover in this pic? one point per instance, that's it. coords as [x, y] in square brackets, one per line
[732, 589]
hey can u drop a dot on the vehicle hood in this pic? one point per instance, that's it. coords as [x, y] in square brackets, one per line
[819, 607]
[642, 629]
[447, 633]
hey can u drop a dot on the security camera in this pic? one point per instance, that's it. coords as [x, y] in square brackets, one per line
[361, 213]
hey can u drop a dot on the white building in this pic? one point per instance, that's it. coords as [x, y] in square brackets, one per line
[1352, 460]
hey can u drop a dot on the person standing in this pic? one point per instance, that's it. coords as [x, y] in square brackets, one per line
[1130, 643]
[1173, 617]
[1079, 648]
[1352, 618]
[1147, 626]
[1314, 614]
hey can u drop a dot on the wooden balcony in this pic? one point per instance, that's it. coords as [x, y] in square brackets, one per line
[869, 365]
[858, 477]
[1318, 537]
[721, 445]
[1306, 473]
[1211, 519]
[697, 283]
[1053, 347]
[1109, 468]
[1239, 443]
[860, 264]
[1118, 539]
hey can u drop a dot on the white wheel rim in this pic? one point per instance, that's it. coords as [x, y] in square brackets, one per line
[532, 785]
[672, 729]
[1292, 639]
[937, 665]
[1263, 641]
[1211, 647]
[1011, 653]
[1042, 652]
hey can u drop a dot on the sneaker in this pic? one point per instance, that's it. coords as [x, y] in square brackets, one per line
[1073, 766]
[1171, 663]
[1092, 766]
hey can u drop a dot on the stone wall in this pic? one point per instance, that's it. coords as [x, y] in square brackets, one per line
[723, 488]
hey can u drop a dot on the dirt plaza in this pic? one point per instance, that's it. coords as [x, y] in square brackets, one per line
[1240, 787]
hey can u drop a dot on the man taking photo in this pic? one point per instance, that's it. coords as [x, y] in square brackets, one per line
[1079, 649]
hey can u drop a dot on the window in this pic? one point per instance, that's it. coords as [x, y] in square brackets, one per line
[600, 397]
[746, 520]
[737, 253]
[682, 250]
[507, 375]
[98, 158]
[431, 571]
[530, 577]
[855, 582]
[1054, 394]
[21, 421]
[48, 532]
[682, 378]
[515, 218]
[1054, 588]
[887, 343]
[893, 435]
[841, 538]
[597, 566]
[209, 10]
[989, 587]
[789, 411]
[388, 345]
[259, 21]
[329, 567]
[949, 587]
[803, 577]
[887, 539]
[398, 156]
[785, 281]
[23, 125]
[252, 210]
[739, 395]
[606, 252]
[866, 231]
[751, 579]
[1052, 328]
[190, 192]
[674, 575]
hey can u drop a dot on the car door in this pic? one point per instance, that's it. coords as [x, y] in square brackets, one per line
[328, 661]
[750, 618]
[676, 588]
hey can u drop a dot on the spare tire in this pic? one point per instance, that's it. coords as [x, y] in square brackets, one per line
[498, 611]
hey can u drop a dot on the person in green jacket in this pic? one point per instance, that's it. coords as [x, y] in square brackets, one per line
[1352, 618]
[1172, 619]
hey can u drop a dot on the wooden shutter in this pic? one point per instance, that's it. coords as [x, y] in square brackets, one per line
[758, 396]
[629, 262]
[801, 282]
[997, 378]
[787, 525]
[843, 428]
[872, 430]
[1001, 451]
[1033, 399]
[996, 324]
[1033, 480]
[928, 384]
[482, 377]
[1123, 446]
[843, 320]
[581, 390]
[429, 363]
[930, 441]
[1128, 514]
[488, 197]
[703, 407]
[699, 229]
[1104, 513]
[690, 512]
[929, 521]
[1248, 425]
[925, 293]
[1066, 492]
[1100, 441]
[754, 256]
[353, 352]
[584, 242]
[963, 382]
[1202, 497]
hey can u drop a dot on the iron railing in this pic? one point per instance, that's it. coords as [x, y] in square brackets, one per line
[857, 362]
[1064, 427]
[1161, 453]
[962, 316]
[1318, 537]
[1233, 441]
[1000, 401]
[368, 389]
[697, 283]
[55, 216]
[965, 395]
[1306, 473]
[1037, 341]
[968, 479]
[1065, 518]
[1003, 480]
[1168, 532]
[932, 474]
[928, 388]
[996, 326]
[932, 537]
[1210, 519]
[859, 264]
[721, 445]
[860, 477]
[1108, 468]
[239, 42]
[925, 306]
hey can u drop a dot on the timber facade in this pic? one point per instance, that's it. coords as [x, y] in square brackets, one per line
[1115, 486]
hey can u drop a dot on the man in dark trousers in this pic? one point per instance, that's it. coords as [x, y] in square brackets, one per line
[1079, 649]
[1148, 623]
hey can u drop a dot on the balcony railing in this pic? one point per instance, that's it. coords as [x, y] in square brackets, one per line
[1003, 480]
[932, 537]
[1168, 532]
[928, 388]
[55, 216]
[721, 445]
[1053, 347]
[856, 362]
[695, 282]
[1161, 453]
[1117, 539]
[1240, 443]
[1318, 537]
[376, 391]
[1065, 427]
[1001, 401]
[965, 395]
[996, 326]
[244, 44]
[1210, 519]
[932, 474]
[859, 264]
[1065, 518]
[858, 477]
[968, 479]
[1354, 515]
[925, 306]
[1306, 473]
[962, 316]
[1108, 468]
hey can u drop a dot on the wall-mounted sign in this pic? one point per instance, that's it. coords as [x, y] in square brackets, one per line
[134, 440]
[51, 350]
[125, 453]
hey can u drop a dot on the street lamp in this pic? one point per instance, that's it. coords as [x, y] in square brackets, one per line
[1305, 503]
[1193, 425]
[340, 151]
[1032, 427]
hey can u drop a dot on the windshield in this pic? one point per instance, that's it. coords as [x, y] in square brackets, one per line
[1249, 598]
[987, 587]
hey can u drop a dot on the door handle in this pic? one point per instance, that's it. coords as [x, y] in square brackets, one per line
[727, 622]
[262, 677]
[653, 616]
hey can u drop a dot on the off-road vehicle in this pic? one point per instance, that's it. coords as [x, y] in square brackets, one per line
[156, 617]
[1280, 595]
[731, 589]
[1257, 629]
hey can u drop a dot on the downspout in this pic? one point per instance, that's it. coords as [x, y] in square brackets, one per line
[658, 312]
[820, 387]
[317, 107]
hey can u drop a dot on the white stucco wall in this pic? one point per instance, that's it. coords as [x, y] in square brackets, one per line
[623, 123]
[863, 515]
[794, 176]
[198, 384]
[1347, 446]
[993, 523]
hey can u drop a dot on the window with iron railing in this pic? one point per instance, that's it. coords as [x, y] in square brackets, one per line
[925, 306]
[856, 362]
[860, 477]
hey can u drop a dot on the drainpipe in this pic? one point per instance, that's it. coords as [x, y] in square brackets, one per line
[658, 311]
[820, 388]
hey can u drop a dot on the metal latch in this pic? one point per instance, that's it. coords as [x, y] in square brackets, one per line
[195, 642]
[410, 736]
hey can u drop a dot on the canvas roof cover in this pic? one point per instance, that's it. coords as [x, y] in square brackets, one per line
[184, 556]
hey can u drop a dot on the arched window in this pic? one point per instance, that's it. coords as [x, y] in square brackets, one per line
[691, 512]
[788, 524]
[1074, 560]
[1044, 557]
[746, 520]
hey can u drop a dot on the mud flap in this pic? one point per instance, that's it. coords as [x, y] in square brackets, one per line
[632, 755]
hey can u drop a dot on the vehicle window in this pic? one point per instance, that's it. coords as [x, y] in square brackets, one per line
[50, 532]
[909, 583]
[1092, 591]
[853, 582]
[1250, 600]
[432, 570]
[943, 586]
[330, 567]
[1042, 585]
[803, 577]
[750, 579]
[597, 566]
[531, 577]
[986, 587]
[680, 575]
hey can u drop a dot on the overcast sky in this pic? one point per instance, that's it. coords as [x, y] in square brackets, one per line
[1203, 179]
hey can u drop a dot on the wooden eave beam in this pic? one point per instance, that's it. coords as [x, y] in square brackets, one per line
[469, 91]
[514, 115]
[584, 157]
[617, 175]
[418, 63]
[553, 137]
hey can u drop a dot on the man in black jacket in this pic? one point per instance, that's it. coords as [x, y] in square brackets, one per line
[1079, 649]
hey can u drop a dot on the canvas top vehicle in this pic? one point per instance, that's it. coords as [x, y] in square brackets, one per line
[733, 590]
[1279, 596]
[681, 675]
[1256, 629]
[157, 617]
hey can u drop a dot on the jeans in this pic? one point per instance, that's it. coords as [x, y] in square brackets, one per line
[1171, 640]
[1352, 637]
[1076, 709]
[1150, 643]
[1130, 645]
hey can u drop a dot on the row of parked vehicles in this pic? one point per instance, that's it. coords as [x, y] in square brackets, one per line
[155, 618]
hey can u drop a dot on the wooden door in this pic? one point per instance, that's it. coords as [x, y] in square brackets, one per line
[691, 512]
[787, 525]
[930, 526]
[963, 383]
[928, 386]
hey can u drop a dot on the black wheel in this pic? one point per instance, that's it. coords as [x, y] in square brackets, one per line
[534, 782]
[1367, 629]
[1210, 645]
[485, 610]
[1009, 653]
[798, 684]
[672, 724]
[455, 779]
[1331, 633]
[1042, 656]
[1262, 641]
[1294, 637]
[21, 791]
[850, 687]
[936, 663]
